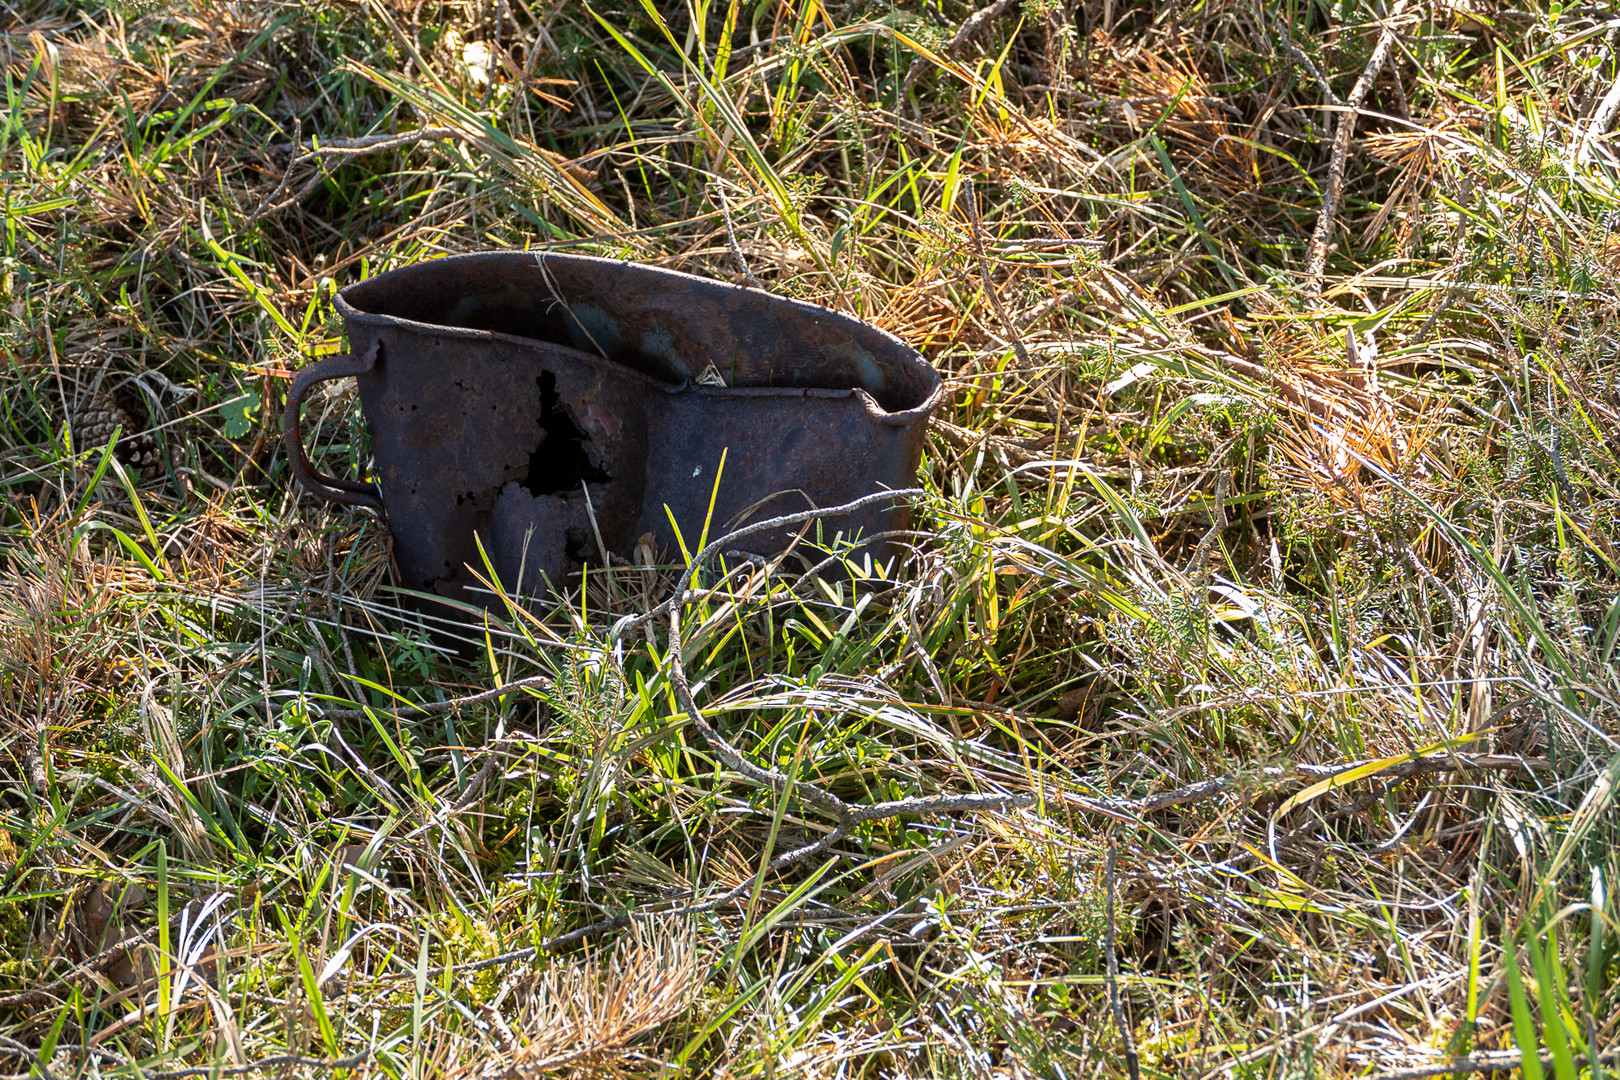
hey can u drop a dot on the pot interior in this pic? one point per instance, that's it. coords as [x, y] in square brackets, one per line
[668, 326]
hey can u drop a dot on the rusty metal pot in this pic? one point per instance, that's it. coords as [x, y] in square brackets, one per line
[556, 405]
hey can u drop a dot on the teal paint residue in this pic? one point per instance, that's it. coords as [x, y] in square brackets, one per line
[869, 376]
[462, 313]
[660, 343]
[490, 310]
[592, 330]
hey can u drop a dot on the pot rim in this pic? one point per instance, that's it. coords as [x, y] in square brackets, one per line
[897, 418]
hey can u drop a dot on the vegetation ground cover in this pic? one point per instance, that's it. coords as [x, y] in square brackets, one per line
[1268, 561]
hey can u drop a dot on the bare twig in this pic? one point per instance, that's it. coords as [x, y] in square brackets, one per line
[1316, 252]
[1198, 568]
[19, 1048]
[492, 764]
[1299, 54]
[1026, 319]
[106, 958]
[1132, 1063]
[731, 237]
[848, 815]
[320, 151]
[273, 199]
[1011, 327]
[920, 648]
[966, 439]
[970, 26]
[263, 1065]
[1276, 778]
[367, 144]
[1054, 406]
[1488, 1063]
[1599, 123]
[406, 712]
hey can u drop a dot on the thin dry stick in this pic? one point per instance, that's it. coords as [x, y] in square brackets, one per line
[492, 764]
[263, 1065]
[1275, 778]
[970, 26]
[406, 712]
[1489, 1063]
[1132, 1062]
[731, 235]
[1300, 55]
[1054, 407]
[1198, 569]
[920, 648]
[106, 958]
[274, 203]
[1599, 123]
[1316, 253]
[273, 198]
[849, 815]
[984, 272]
[367, 144]
[21, 1048]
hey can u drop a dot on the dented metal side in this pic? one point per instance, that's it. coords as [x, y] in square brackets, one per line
[505, 386]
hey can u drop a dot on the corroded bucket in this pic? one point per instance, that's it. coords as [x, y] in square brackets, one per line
[539, 402]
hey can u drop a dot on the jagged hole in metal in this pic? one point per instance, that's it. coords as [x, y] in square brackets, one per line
[560, 461]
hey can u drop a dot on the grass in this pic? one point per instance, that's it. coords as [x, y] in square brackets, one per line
[1295, 592]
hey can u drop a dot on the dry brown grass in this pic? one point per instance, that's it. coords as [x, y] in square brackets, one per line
[1305, 603]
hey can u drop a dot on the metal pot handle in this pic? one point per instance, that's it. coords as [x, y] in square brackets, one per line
[356, 493]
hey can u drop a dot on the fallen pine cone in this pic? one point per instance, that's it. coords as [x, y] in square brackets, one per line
[93, 426]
